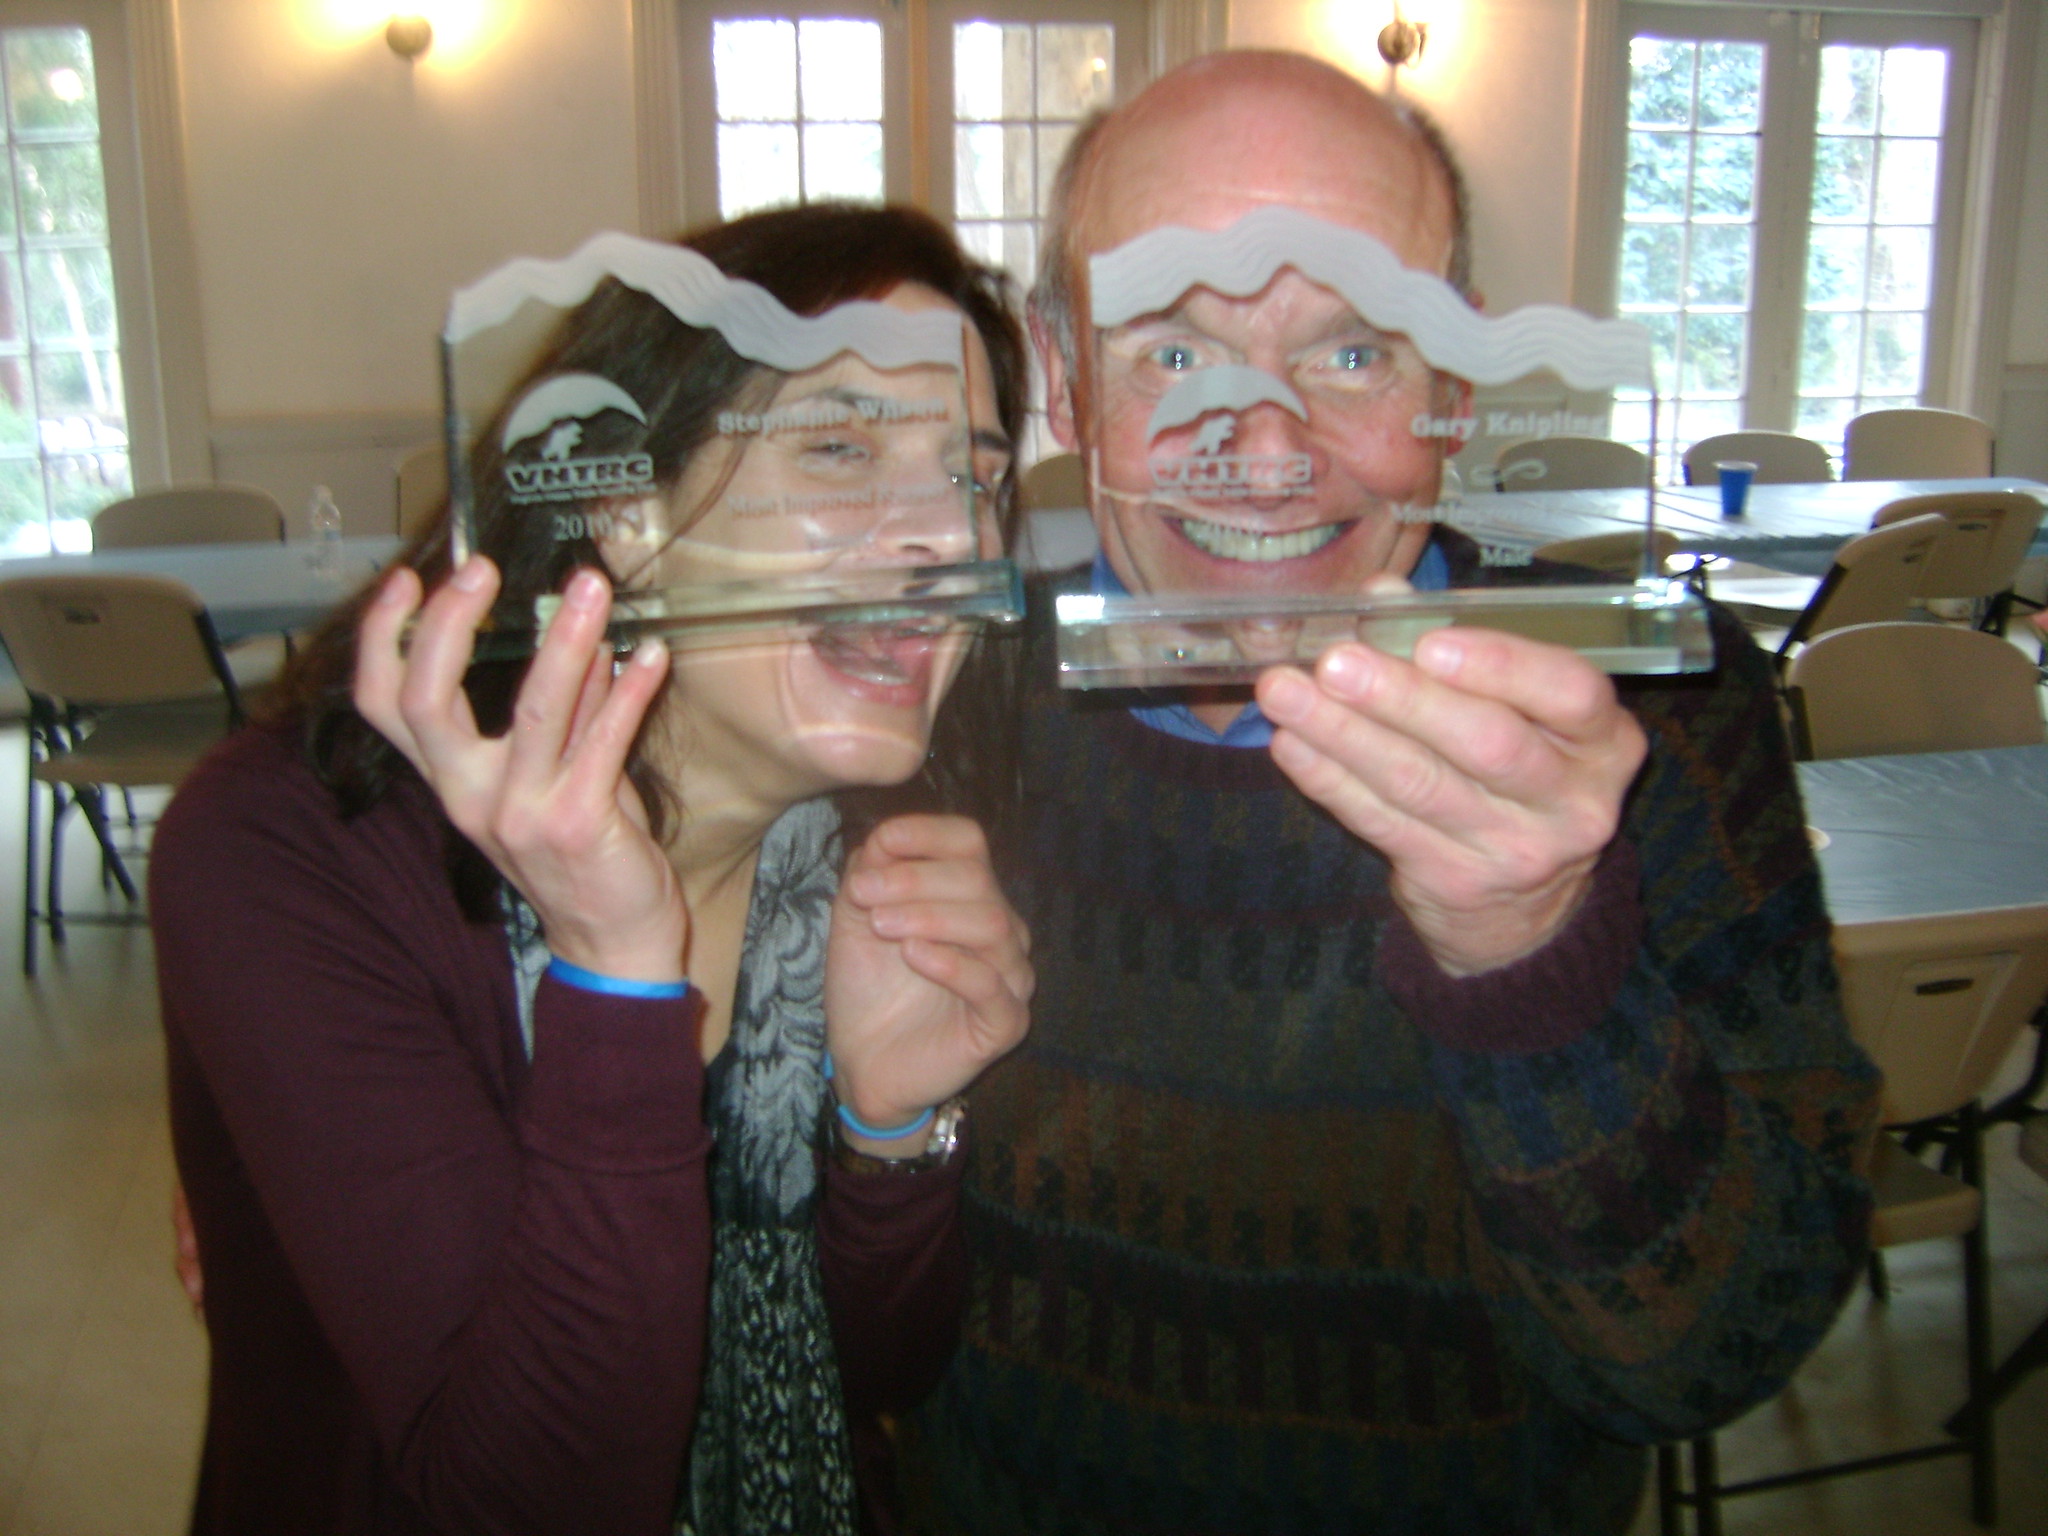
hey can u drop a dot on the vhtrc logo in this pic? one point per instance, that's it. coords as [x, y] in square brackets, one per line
[1214, 397]
[559, 407]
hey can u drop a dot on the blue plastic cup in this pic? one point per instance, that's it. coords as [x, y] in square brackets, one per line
[1735, 477]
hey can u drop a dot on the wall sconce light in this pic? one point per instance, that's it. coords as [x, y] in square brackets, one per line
[1401, 40]
[410, 34]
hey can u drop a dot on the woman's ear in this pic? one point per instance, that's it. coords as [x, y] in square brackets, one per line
[629, 531]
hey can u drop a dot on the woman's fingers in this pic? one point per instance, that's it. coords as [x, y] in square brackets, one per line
[430, 696]
[548, 697]
[380, 667]
[597, 762]
[996, 1012]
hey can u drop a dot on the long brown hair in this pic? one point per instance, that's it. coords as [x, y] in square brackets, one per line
[810, 258]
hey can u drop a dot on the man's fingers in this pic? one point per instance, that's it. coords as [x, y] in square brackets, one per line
[1558, 689]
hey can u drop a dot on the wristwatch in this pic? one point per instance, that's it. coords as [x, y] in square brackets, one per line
[939, 1148]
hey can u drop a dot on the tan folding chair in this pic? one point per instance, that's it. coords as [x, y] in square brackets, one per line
[1872, 580]
[1916, 443]
[1874, 689]
[190, 514]
[1989, 532]
[1571, 464]
[127, 687]
[204, 514]
[1780, 458]
[1938, 1003]
[1611, 554]
[422, 487]
[1055, 482]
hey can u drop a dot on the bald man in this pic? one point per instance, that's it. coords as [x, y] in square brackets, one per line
[1438, 1089]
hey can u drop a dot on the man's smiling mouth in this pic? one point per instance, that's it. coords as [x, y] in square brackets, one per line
[1257, 548]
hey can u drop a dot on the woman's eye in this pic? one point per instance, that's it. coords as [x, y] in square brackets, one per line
[836, 450]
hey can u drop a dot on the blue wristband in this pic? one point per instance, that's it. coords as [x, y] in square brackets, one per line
[848, 1119]
[614, 986]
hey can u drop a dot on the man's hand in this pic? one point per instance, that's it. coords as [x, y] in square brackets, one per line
[927, 975]
[1489, 771]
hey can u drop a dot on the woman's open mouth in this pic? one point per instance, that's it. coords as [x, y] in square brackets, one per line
[1227, 543]
[884, 663]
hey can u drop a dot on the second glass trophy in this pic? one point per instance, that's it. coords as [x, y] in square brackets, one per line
[1270, 412]
[754, 472]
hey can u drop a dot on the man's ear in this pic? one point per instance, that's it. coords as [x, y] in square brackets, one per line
[1059, 385]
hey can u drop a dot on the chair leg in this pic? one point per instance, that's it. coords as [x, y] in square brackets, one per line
[53, 904]
[30, 913]
[2030, 1356]
[1706, 1487]
[1670, 1516]
[1977, 1332]
[1880, 1282]
[92, 803]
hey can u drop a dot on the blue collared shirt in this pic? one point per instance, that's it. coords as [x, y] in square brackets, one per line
[1251, 728]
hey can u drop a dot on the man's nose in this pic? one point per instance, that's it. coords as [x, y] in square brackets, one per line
[1268, 429]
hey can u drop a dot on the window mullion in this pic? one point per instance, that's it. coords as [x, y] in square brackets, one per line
[1785, 198]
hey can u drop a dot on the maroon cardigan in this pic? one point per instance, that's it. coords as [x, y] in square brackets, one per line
[449, 1290]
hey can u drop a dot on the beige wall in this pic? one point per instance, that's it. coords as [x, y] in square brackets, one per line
[1502, 78]
[2030, 281]
[337, 195]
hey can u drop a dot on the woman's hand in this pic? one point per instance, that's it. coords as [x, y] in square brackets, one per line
[927, 975]
[548, 802]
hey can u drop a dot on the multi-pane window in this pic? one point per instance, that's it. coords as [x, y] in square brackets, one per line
[1789, 203]
[1019, 91]
[1689, 229]
[63, 415]
[799, 111]
[1870, 250]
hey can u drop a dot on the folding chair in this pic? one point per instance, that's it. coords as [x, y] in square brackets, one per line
[1989, 532]
[1873, 689]
[1915, 443]
[1780, 458]
[1873, 579]
[1571, 464]
[127, 687]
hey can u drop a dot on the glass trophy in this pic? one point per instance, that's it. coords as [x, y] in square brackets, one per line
[756, 474]
[1274, 407]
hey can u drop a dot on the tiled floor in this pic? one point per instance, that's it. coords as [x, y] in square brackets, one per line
[102, 1365]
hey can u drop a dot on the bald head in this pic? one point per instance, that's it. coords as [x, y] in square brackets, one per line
[1229, 132]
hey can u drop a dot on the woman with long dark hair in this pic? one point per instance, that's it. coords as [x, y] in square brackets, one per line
[506, 1224]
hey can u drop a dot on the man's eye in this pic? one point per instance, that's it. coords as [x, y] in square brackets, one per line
[1175, 356]
[1353, 357]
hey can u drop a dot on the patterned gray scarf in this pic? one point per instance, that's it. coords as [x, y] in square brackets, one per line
[770, 1455]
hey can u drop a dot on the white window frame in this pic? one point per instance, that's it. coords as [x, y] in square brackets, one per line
[149, 238]
[1980, 229]
[676, 113]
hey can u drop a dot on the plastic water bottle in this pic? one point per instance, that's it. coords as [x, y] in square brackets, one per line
[323, 523]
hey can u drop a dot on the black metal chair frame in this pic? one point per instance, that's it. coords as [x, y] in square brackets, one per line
[1968, 1432]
